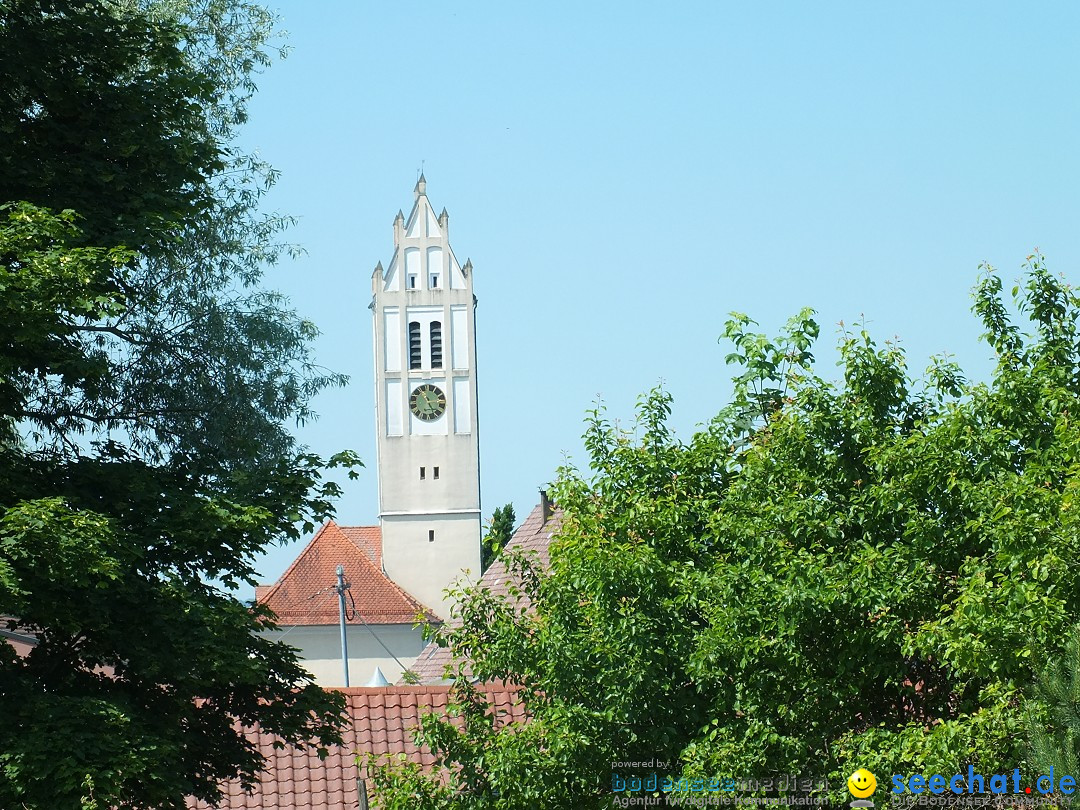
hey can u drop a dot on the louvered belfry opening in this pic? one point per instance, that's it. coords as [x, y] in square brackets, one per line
[436, 344]
[414, 344]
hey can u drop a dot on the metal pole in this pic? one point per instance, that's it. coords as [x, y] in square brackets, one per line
[341, 614]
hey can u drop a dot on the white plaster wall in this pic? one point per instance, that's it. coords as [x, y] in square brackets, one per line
[395, 420]
[459, 336]
[462, 405]
[425, 567]
[435, 268]
[319, 649]
[412, 264]
[399, 474]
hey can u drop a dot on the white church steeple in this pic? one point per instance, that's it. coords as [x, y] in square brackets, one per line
[425, 394]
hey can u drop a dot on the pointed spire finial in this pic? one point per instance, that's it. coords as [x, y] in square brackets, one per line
[421, 185]
[378, 679]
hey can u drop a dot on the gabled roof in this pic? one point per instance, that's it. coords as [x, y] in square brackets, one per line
[533, 535]
[423, 229]
[306, 593]
[382, 720]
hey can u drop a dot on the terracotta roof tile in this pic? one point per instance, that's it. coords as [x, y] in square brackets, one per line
[299, 779]
[534, 534]
[305, 593]
[367, 538]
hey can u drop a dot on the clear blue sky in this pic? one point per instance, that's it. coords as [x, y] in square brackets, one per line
[676, 161]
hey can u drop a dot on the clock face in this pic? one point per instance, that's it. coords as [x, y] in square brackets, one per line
[427, 402]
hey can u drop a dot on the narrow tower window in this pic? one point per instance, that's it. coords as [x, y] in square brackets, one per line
[423, 472]
[436, 344]
[431, 535]
[434, 266]
[435, 473]
[414, 344]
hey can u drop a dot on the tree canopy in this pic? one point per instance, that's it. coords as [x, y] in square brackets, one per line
[148, 383]
[500, 530]
[102, 112]
[830, 575]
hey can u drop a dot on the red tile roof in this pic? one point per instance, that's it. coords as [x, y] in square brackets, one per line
[382, 720]
[368, 539]
[306, 593]
[533, 535]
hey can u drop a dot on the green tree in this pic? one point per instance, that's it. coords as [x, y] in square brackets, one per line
[147, 384]
[829, 575]
[1053, 715]
[103, 113]
[500, 530]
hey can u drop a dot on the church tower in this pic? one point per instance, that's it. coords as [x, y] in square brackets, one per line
[425, 408]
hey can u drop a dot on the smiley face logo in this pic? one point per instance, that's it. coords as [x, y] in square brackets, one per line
[861, 783]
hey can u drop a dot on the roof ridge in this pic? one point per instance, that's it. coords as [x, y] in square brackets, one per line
[412, 689]
[296, 561]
